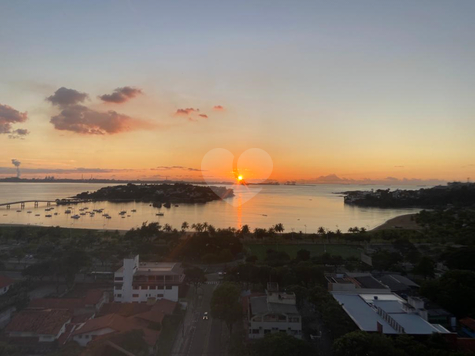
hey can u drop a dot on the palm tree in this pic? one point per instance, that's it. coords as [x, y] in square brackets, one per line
[279, 228]
[321, 231]
[167, 228]
[211, 229]
[184, 226]
[245, 229]
[362, 230]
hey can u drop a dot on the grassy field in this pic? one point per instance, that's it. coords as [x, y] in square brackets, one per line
[315, 250]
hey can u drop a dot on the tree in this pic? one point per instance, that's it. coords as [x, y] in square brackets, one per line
[425, 267]
[281, 344]
[225, 304]
[167, 227]
[195, 276]
[360, 343]
[184, 226]
[303, 255]
[245, 230]
[279, 228]
[454, 291]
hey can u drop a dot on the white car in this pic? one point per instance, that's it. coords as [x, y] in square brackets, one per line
[205, 316]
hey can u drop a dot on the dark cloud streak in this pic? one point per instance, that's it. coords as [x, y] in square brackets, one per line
[121, 95]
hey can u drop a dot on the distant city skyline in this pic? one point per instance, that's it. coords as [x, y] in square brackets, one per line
[365, 91]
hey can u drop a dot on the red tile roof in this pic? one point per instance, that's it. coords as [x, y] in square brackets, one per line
[111, 321]
[57, 303]
[93, 296]
[154, 316]
[124, 309]
[165, 306]
[119, 324]
[46, 322]
[5, 281]
[129, 309]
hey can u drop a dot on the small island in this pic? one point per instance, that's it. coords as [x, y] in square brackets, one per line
[157, 194]
[452, 194]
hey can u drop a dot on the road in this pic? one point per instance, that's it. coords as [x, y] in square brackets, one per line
[204, 337]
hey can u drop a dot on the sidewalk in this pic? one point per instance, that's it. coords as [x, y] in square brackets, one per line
[185, 328]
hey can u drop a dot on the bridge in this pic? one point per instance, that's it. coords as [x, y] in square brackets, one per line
[23, 203]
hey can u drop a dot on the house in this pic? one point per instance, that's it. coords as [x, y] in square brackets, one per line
[5, 284]
[387, 313]
[90, 304]
[140, 282]
[273, 312]
[40, 326]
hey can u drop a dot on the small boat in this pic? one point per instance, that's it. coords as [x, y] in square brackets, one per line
[123, 217]
[176, 205]
[123, 212]
[108, 217]
[48, 216]
[160, 214]
[67, 212]
[82, 214]
[264, 214]
[167, 205]
[75, 217]
[134, 211]
[37, 214]
[18, 211]
[128, 216]
[55, 213]
[28, 212]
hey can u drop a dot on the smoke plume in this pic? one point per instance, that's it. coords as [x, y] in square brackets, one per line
[17, 163]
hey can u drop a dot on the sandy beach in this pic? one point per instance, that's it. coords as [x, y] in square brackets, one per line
[405, 221]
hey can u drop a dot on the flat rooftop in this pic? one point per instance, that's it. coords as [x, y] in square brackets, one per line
[363, 310]
[156, 268]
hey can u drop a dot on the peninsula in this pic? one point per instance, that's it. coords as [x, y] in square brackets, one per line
[452, 194]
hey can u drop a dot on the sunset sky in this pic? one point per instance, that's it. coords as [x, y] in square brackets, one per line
[144, 89]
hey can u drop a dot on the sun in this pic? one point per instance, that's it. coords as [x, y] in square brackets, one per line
[240, 178]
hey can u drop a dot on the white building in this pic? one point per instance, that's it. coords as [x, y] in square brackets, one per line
[387, 313]
[140, 282]
[274, 312]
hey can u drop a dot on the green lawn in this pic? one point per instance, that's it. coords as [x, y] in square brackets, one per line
[315, 250]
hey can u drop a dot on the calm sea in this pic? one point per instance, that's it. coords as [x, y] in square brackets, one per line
[299, 208]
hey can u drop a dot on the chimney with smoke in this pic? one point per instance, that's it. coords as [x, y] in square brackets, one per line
[17, 163]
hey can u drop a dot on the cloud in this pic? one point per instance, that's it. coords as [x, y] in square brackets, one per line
[186, 112]
[218, 108]
[203, 115]
[121, 95]
[81, 170]
[9, 116]
[82, 120]
[19, 133]
[168, 168]
[398, 166]
[64, 97]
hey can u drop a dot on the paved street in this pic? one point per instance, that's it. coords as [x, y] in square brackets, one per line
[202, 337]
